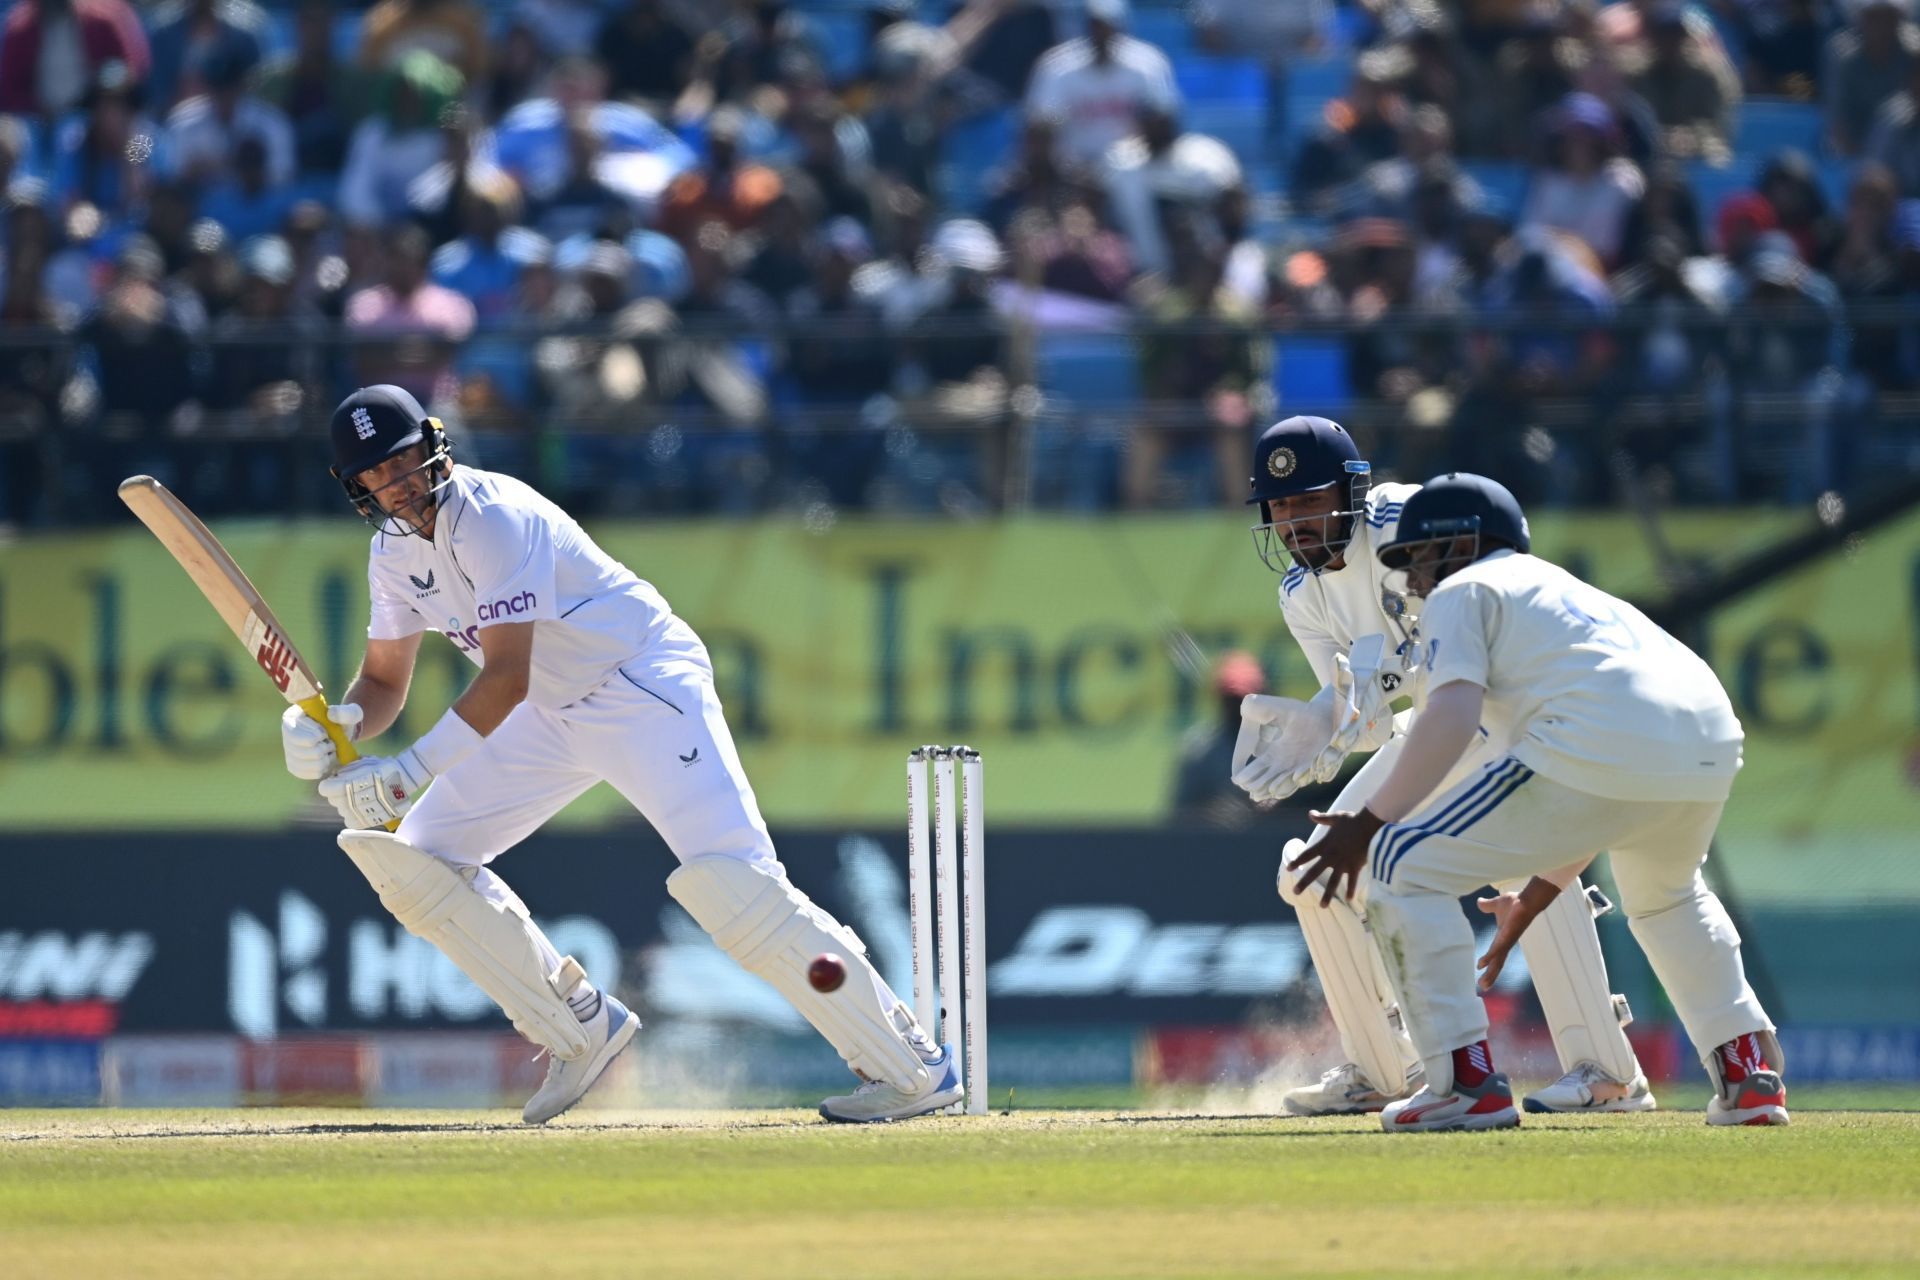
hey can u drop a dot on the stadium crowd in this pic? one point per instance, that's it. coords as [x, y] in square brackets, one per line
[905, 254]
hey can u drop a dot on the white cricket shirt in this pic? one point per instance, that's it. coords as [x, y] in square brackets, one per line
[501, 552]
[1585, 688]
[1095, 104]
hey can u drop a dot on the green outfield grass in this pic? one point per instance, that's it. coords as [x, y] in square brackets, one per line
[1077, 1193]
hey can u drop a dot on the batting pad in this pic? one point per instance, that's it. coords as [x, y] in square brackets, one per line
[1570, 977]
[1352, 978]
[494, 944]
[775, 931]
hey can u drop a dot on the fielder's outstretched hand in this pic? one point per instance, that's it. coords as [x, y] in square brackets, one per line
[1341, 853]
[1512, 912]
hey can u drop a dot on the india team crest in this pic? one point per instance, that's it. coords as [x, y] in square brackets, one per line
[1281, 462]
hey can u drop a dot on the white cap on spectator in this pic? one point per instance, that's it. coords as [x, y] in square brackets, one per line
[968, 245]
[1115, 13]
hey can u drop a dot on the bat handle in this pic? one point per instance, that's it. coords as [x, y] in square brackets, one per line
[316, 706]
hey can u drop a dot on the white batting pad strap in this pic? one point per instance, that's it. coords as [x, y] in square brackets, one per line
[493, 944]
[1352, 979]
[774, 931]
[1570, 977]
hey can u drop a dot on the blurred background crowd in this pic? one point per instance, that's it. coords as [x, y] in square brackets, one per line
[667, 256]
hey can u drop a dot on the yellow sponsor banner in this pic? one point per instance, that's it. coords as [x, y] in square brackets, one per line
[1043, 641]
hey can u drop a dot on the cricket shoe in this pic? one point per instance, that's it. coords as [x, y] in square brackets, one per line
[568, 1081]
[877, 1101]
[1587, 1089]
[1346, 1091]
[1761, 1098]
[1487, 1105]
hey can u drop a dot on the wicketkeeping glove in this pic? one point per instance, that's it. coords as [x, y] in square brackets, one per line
[1278, 738]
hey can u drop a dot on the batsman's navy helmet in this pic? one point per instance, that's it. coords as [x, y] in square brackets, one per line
[1458, 505]
[1302, 454]
[372, 425]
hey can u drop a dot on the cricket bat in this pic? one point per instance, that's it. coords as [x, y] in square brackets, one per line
[234, 598]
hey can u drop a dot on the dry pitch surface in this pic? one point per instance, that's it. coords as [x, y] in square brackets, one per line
[1035, 1193]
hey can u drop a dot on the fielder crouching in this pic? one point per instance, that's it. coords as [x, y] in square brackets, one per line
[1616, 738]
[585, 675]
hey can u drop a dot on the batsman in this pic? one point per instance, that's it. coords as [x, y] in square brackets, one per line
[584, 675]
[1321, 518]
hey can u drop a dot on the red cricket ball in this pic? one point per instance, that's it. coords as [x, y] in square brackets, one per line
[827, 972]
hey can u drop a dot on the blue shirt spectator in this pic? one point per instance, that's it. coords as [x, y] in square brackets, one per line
[186, 31]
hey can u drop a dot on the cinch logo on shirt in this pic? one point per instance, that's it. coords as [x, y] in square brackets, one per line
[495, 610]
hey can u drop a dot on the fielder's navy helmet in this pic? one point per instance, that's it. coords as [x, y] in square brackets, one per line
[372, 425]
[1457, 505]
[1301, 454]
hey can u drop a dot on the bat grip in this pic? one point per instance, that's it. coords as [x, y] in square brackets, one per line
[316, 706]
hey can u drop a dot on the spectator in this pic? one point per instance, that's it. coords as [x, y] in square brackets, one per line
[264, 349]
[1866, 260]
[1692, 103]
[1787, 343]
[647, 53]
[519, 67]
[1203, 789]
[16, 148]
[141, 341]
[322, 97]
[1895, 141]
[1198, 358]
[1789, 184]
[406, 328]
[958, 340]
[1667, 211]
[484, 264]
[1094, 87]
[783, 265]
[185, 32]
[599, 378]
[1785, 43]
[1160, 172]
[1387, 187]
[836, 155]
[838, 352]
[32, 371]
[573, 135]
[401, 140]
[172, 210]
[454, 31]
[725, 189]
[584, 202]
[1357, 131]
[997, 44]
[104, 157]
[1072, 254]
[1373, 264]
[903, 125]
[712, 367]
[247, 204]
[1867, 64]
[1034, 179]
[763, 43]
[52, 51]
[204, 131]
[1586, 187]
[1534, 73]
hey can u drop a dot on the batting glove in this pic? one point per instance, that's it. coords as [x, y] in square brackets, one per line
[308, 747]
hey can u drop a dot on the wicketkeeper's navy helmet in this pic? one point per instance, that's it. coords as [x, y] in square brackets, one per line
[1299, 455]
[372, 425]
[1458, 505]
[1305, 455]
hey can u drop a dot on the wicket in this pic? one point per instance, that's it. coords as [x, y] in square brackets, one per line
[958, 1014]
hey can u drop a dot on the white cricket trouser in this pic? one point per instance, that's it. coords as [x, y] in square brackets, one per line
[1562, 951]
[654, 731]
[1507, 823]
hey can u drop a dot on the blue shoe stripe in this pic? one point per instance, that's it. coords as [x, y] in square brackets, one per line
[1398, 833]
[1486, 806]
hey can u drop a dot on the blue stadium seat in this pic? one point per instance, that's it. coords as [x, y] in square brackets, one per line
[1712, 186]
[1165, 29]
[1836, 180]
[843, 42]
[1766, 125]
[1239, 82]
[1242, 129]
[1311, 84]
[1089, 368]
[1310, 375]
[973, 149]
